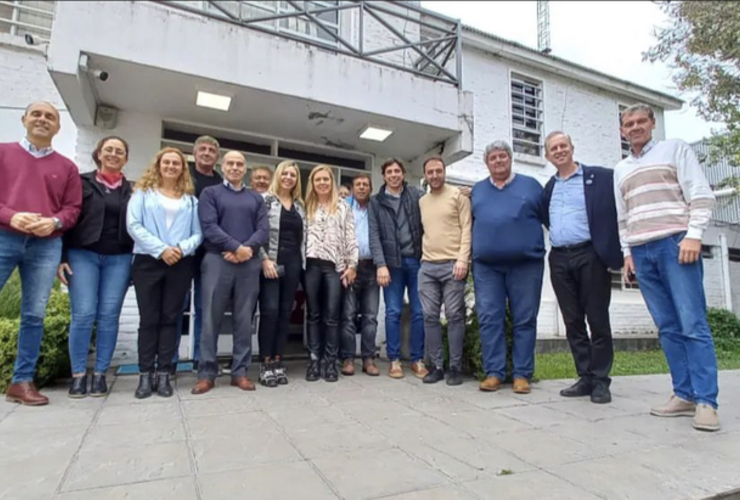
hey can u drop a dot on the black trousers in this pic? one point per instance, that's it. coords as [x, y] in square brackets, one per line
[324, 306]
[276, 305]
[160, 291]
[582, 285]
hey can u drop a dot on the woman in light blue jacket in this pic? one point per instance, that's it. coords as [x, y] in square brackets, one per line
[162, 219]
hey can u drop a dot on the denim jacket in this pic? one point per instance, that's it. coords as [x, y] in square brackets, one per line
[145, 222]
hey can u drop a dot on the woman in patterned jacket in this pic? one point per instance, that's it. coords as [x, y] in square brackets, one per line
[331, 263]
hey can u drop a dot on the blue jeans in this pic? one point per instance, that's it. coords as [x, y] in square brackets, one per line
[674, 294]
[97, 288]
[521, 286]
[404, 278]
[197, 318]
[37, 260]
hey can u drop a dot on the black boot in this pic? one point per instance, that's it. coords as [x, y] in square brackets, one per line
[99, 387]
[164, 388]
[145, 386]
[330, 370]
[434, 376]
[313, 373]
[78, 389]
[581, 388]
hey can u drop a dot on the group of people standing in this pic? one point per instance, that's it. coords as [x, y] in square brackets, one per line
[249, 247]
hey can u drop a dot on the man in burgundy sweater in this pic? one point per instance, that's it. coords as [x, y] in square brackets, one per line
[40, 198]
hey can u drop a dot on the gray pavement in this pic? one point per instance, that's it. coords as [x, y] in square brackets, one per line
[366, 438]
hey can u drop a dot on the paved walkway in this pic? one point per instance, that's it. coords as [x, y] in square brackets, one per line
[366, 438]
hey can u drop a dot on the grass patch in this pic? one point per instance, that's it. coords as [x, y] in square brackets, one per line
[560, 365]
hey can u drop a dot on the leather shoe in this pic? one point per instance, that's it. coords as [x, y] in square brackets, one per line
[581, 388]
[98, 387]
[434, 376]
[348, 367]
[25, 393]
[78, 388]
[521, 386]
[369, 367]
[164, 389]
[243, 383]
[202, 386]
[490, 384]
[601, 394]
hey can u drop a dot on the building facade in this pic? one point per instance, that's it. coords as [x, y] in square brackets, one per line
[305, 85]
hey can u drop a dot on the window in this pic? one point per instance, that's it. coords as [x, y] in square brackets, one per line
[23, 17]
[618, 282]
[297, 25]
[624, 144]
[526, 115]
[734, 254]
[706, 252]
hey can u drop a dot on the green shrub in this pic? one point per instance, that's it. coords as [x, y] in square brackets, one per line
[10, 297]
[725, 328]
[54, 357]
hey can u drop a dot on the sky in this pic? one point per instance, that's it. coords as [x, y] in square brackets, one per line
[606, 36]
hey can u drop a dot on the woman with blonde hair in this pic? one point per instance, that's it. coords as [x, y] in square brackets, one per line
[331, 263]
[162, 219]
[283, 261]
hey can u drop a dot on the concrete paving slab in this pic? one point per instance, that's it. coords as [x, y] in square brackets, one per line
[142, 433]
[441, 493]
[267, 482]
[360, 475]
[97, 467]
[166, 489]
[528, 485]
[245, 449]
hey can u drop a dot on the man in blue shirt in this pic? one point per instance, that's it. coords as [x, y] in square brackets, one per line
[234, 223]
[363, 296]
[508, 264]
[582, 218]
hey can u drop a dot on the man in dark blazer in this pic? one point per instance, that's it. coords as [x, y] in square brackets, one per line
[579, 210]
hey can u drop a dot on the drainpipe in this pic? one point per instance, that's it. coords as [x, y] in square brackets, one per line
[726, 285]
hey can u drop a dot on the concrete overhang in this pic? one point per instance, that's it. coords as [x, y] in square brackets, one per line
[279, 87]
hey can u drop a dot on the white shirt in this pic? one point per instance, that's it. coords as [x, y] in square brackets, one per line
[171, 207]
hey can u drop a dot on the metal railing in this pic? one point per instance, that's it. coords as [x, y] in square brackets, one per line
[394, 34]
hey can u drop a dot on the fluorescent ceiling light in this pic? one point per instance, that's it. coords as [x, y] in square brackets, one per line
[372, 133]
[214, 101]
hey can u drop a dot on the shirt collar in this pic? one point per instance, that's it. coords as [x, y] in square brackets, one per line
[26, 144]
[651, 143]
[229, 186]
[508, 181]
[579, 171]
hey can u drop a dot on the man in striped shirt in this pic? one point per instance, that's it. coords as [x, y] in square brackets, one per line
[664, 204]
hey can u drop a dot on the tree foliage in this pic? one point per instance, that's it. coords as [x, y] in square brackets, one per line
[702, 46]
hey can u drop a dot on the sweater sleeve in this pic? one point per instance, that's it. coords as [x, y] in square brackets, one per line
[71, 200]
[262, 228]
[696, 190]
[466, 224]
[621, 215]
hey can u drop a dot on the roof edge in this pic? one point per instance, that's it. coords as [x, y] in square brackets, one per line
[515, 51]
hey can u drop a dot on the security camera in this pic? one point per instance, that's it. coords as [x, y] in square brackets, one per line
[28, 38]
[34, 40]
[100, 74]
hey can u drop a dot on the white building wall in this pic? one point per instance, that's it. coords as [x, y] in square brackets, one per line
[24, 79]
[735, 284]
[713, 280]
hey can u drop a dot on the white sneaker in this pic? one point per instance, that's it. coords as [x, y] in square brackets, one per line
[675, 407]
[705, 418]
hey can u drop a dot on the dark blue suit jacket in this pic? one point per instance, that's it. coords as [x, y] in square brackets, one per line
[598, 184]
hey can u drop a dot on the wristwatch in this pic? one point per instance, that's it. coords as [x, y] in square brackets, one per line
[57, 223]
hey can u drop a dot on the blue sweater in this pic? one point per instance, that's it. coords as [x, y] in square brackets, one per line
[231, 218]
[507, 227]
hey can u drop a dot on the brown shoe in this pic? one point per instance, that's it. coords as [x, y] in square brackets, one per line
[243, 383]
[521, 386]
[396, 371]
[25, 393]
[490, 384]
[202, 386]
[368, 366]
[419, 369]
[348, 367]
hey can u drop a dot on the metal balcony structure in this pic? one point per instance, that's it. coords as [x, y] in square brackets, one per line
[399, 35]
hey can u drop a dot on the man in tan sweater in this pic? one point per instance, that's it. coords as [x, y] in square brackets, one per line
[447, 222]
